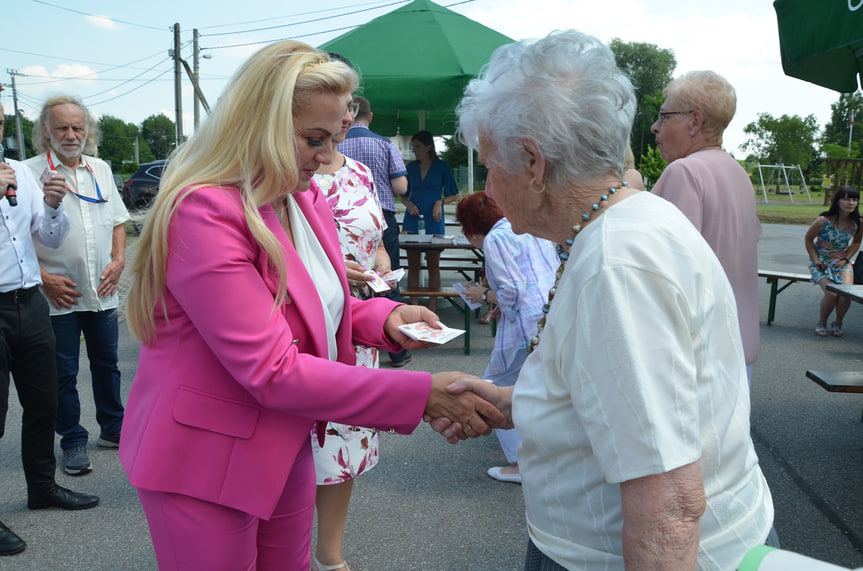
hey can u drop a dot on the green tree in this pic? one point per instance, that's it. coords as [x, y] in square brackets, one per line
[159, 132]
[849, 106]
[455, 155]
[786, 140]
[650, 69]
[10, 131]
[651, 166]
[118, 141]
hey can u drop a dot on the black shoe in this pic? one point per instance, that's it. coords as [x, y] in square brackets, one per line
[10, 544]
[109, 440]
[403, 361]
[60, 497]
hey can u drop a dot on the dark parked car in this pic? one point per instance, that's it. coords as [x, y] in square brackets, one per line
[141, 188]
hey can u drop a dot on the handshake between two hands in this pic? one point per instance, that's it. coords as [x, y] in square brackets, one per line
[464, 406]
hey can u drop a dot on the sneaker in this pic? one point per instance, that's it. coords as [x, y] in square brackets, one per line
[75, 461]
[109, 440]
[403, 361]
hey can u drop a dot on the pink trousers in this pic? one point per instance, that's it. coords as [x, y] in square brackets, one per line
[191, 534]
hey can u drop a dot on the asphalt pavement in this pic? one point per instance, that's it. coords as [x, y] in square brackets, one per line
[429, 505]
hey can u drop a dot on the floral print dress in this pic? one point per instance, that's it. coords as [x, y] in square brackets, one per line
[831, 245]
[348, 451]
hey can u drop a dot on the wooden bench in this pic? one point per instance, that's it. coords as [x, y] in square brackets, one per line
[773, 278]
[839, 381]
[468, 266]
[453, 298]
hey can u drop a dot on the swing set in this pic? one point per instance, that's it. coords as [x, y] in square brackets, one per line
[778, 174]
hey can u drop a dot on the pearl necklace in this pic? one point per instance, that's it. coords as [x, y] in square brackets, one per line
[563, 254]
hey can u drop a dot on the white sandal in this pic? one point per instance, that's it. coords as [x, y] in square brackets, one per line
[318, 566]
[500, 476]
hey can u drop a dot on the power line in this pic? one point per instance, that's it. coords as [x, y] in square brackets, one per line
[280, 17]
[100, 16]
[76, 60]
[322, 18]
[280, 39]
[130, 80]
[131, 90]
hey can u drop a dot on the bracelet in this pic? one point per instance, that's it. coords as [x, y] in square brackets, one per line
[846, 259]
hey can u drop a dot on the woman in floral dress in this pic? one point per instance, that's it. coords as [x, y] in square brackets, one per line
[831, 242]
[348, 451]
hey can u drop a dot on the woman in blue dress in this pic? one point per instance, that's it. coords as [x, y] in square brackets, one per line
[831, 242]
[430, 186]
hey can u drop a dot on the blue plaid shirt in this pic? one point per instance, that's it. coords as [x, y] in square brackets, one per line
[380, 155]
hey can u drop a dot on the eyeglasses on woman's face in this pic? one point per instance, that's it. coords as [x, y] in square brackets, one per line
[353, 109]
[665, 115]
[850, 199]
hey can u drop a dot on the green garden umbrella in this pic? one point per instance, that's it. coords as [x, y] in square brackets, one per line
[415, 63]
[822, 41]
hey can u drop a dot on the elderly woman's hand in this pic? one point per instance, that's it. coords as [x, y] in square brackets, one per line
[500, 397]
[473, 291]
[473, 415]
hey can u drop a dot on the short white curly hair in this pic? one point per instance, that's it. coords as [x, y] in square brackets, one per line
[566, 93]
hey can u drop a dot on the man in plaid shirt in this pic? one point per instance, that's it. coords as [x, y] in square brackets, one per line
[390, 176]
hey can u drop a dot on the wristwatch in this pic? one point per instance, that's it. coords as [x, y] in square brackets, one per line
[485, 294]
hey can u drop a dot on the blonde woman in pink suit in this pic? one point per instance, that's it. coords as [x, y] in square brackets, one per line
[241, 301]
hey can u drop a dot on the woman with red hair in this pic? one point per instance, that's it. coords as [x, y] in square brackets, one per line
[520, 270]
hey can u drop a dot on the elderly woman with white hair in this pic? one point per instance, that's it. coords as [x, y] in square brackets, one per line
[710, 187]
[633, 406]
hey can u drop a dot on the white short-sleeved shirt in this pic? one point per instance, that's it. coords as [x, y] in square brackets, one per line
[87, 251]
[639, 371]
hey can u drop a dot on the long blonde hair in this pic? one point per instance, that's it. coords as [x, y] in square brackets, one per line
[247, 142]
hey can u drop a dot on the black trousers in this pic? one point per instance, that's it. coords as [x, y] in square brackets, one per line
[27, 352]
[391, 244]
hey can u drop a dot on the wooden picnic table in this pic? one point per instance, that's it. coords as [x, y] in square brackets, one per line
[841, 381]
[852, 292]
[472, 262]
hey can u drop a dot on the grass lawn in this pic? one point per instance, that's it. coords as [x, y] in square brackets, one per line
[780, 210]
[789, 213]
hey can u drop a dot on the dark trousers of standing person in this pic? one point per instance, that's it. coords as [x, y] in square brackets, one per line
[101, 336]
[391, 244]
[27, 352]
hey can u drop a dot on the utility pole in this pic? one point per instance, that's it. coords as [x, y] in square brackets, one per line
[178, 88]
[22, 151]
[197, 106]
[850, 132]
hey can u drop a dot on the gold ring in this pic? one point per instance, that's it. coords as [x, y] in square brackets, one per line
[467, 428]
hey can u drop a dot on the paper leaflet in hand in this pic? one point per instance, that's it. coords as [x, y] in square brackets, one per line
[394, 276]
[422, 331]
[459, 288]
[376, 283]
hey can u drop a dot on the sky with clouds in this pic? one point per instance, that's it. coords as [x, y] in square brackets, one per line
[115, 55]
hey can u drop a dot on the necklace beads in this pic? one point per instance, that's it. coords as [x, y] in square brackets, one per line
[563, 252]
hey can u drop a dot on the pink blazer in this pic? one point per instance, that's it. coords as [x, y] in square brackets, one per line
[226, 396]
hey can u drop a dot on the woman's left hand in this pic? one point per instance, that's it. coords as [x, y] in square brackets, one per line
[404, 314]
[437, 211]
[474, 291]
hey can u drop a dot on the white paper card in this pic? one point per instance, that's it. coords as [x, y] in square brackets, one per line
[422, 331]
[376, 282]
[459, 288]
